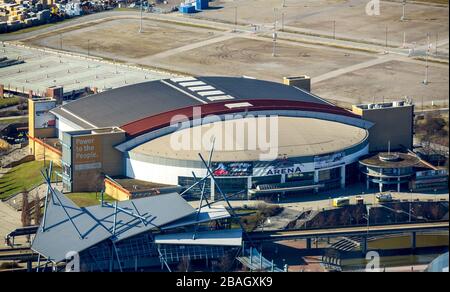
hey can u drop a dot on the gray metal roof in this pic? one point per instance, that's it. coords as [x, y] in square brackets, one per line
[227, 237]
[127, 104]
[95, 224]
[206, 214]
[246, 88]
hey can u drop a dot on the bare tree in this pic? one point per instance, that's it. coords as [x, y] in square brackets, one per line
[184, 265]
[226, 262]
[37, 210]
[25, 218]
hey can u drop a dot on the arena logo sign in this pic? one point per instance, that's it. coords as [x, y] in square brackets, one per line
[279, 170]
[289, 170]
[227, 133]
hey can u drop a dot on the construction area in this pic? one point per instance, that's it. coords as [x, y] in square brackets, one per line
[352, 57]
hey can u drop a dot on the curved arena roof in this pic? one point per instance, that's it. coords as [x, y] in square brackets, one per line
[135, 108]
[294, 137]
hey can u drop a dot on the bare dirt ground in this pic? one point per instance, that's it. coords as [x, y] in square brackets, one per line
[195, 45]
[351, 19]
[390, 80]
[121, 38]
[353, 22]
[242, 56]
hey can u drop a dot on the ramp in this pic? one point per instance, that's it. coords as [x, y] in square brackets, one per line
[254, 260]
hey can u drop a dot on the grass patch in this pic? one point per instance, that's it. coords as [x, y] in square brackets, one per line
[251, 218]
[33, 28]
[433, 1]
[125, 9]
[38, 27]
[5, 102]
[13, 120]
[25, 176]
[88, 199]
[9, 266]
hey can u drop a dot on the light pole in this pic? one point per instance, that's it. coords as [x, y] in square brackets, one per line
[334, 29]
[140, 24]
[44, 151]
[403, 18]
[274, 54]
[426, 59]
[386, 36]
[436, 49]
[235, 17]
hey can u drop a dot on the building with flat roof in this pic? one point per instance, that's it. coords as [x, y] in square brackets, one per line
[267, 139]
[394, 171]
[393, 124]
[132, 235]
[265, 133]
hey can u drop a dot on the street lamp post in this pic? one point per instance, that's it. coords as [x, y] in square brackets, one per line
[387, 30]
[274, 50]
[334, 29]
[140, 24]
[235, 18]
[426, 59]
[403, 18]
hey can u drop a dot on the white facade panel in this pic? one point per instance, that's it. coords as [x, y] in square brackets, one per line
[165, 174]
[64, 125]
[157, 173]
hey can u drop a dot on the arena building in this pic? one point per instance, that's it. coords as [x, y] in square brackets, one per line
[128, 132]
[268, 138]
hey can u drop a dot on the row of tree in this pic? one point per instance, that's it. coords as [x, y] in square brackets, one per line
[30, 210]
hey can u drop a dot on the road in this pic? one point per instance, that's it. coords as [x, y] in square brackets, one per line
[348, 231]
[324, 199]
[9, 220]
[16, 254]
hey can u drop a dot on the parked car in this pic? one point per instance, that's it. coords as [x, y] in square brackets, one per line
[385, 198]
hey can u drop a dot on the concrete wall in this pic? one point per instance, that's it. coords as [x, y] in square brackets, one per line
[64, 125]
[110, 161]
[33, 129]
[394, 124]
[115, 191]
[140, 169]
[302, 82]
[42, 151]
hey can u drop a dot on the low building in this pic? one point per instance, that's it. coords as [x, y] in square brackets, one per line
[384, 134]
[392, 171]
[317, 144]
[134, 235]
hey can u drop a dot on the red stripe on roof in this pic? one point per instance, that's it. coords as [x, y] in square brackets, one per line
[159, 121]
